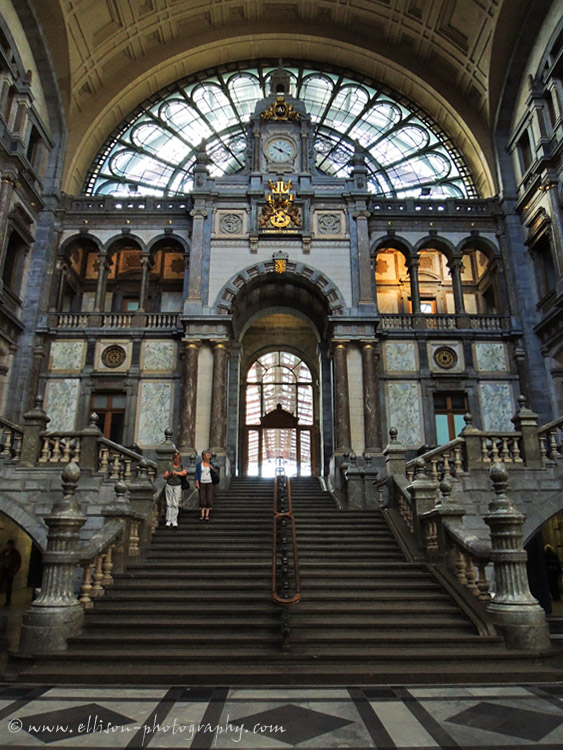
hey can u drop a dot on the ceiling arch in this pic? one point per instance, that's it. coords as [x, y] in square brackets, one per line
[438, 54]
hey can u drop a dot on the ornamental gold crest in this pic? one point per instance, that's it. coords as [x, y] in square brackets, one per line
[280, 212]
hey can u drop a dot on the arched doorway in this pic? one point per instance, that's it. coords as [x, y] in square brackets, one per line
[279, 416]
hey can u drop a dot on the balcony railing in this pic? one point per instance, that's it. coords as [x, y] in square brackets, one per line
[442, 322]
[114, 320]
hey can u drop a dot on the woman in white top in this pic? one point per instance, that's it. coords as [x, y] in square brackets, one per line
[204, 484]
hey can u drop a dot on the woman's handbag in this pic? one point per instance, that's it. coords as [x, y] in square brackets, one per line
[214, 476]
[184, 484]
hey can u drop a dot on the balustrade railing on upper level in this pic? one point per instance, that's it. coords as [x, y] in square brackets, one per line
[114, 320]
[442, 321]
[12, 438]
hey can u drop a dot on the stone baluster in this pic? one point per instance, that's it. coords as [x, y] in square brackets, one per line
[56, 614]
[483, 582]
[107, 566]
[86, 588]
[97, 577]
[514, 609]
[471, 576]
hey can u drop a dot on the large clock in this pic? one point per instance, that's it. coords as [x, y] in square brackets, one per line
[280, 150]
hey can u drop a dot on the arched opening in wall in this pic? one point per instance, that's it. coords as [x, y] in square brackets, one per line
[478, 277]
[545, 565]
[545, 267]
[434, 283]
[20, 574]
[166, 279]
[279, 416]
[78, 276]
[392, 281]
[123, 288]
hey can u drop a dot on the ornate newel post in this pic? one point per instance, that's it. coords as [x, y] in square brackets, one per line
[165, 452]
[514, 609]
[526, 422]
[35, 422]
[424, 494]
[56, 614]
[394, 455]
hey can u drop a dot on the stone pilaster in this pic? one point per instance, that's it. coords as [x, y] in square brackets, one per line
[56, 614]
[188, 398]
[341, 398]
[217, 429]
[514, 609]
[364, 260]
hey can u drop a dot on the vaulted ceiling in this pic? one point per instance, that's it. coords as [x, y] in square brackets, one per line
[449, 56]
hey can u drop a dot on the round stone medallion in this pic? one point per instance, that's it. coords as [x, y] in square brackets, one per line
[113, 356]
[445, 357]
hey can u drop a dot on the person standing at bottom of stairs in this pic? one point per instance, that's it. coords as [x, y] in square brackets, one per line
[173, 489]
[205, 477]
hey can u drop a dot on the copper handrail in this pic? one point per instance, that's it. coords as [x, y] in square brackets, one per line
[280, 516]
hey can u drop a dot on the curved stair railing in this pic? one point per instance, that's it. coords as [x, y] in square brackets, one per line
[286, 584]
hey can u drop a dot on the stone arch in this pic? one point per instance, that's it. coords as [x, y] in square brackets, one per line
[34, 526]
[120, 241]
[486, 246]
[68, 245]
[537, 514]
[151, 246]
[441, 244]
[394, 242]
[297, 274]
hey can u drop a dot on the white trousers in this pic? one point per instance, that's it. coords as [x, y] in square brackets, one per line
[173, 498]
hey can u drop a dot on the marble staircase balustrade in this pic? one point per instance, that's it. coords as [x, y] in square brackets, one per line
[11, 438]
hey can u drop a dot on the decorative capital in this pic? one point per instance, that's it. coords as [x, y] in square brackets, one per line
[280, 110]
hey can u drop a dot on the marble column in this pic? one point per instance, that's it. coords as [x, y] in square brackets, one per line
[104, 264]
[364, 261]
[217, 428]
[372, 413]
[188, 398]
[342, 443]
[412, 266]
[455, 265]
[199, 216]
[144, 291]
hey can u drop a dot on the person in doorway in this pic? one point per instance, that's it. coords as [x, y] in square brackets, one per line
[204, 484]
[10, 563]
[553, 564]
[173, 490]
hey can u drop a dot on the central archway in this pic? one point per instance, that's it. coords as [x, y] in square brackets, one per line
[279, 425]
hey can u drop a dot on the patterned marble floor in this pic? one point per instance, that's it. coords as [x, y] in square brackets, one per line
[417, 718]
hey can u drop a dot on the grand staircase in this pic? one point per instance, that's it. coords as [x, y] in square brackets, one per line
[197, 608]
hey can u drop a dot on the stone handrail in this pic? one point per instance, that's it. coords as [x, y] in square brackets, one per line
[447, 460]
[60, 448]
[117, 462]
[550, 436]
[503, 446]
[12, 438]
[96, 560]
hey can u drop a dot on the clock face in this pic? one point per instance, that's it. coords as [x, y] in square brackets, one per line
[280, 150]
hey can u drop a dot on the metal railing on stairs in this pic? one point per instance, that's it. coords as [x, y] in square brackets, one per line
[286, 584]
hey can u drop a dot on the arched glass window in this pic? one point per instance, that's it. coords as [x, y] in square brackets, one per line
[153, 151]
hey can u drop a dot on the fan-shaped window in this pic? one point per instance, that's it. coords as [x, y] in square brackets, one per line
[153, 153]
